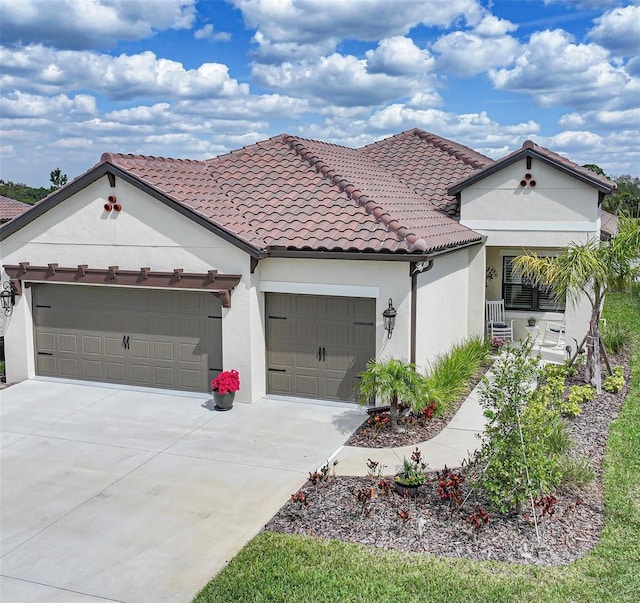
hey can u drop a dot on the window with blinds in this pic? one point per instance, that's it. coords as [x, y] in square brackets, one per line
[519, 294]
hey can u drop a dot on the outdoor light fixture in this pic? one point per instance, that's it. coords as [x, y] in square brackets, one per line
[389, 316]
[8, 298]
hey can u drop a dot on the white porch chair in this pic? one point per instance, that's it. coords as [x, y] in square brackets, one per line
[555, 331]
[497, 325]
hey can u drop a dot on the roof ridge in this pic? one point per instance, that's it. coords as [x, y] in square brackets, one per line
[110, 157]
[353, 192]
[455, 149]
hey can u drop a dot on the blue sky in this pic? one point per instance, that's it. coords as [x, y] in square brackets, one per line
[196, 78]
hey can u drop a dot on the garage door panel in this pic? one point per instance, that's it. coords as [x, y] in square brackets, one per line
[92, 369]
[47, 365]
[92, 345]
[68, 367]
[158, 338]
[141, 374]
[191, 353]
[307, 385]
[113, 347]
[190, 379]
[298, 326]
[280, 383]
[280, 358]
[163, 376]
[140, 349]
[306, 359]
[68, 343]
[46, 341]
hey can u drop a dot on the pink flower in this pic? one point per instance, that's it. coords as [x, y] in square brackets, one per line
[226, 382]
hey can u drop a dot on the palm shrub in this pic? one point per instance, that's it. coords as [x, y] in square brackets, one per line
[393, 382]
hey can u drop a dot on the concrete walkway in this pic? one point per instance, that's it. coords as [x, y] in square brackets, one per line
[450, 447]
[134, 496]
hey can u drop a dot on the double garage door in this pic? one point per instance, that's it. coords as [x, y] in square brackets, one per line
[317, 345]
[145, 337]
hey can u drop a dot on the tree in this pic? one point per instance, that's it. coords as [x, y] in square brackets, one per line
[626, 199]
[57, 178]
[392, 381]
[589, 270]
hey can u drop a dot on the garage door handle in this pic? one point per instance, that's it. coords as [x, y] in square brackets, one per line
[324, 354]
[125, 342]
[319, 354]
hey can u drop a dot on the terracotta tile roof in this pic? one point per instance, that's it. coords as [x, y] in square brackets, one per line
[298, 194]
[428, 164]
[10, 208]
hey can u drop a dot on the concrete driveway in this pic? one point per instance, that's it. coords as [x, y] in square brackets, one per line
[142, 496]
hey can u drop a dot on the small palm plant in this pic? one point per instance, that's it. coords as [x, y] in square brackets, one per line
[393, 382]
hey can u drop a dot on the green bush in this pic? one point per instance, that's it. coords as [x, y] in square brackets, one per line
[578, 394]
[614, 383]
[516, 457]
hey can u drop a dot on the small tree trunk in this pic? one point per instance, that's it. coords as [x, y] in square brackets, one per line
[394, 413]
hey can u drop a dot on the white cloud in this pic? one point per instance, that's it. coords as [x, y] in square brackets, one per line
[46, 70]
[398, 56]
[318, 25]
[207, 33]
[339, 80]
[82, 24]
[21, 105]
[619, 30]
[558, 72]
[602, 119]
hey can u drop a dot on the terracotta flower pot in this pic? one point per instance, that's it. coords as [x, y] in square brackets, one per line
[224, 401]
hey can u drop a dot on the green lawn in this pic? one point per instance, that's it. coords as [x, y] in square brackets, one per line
[289, 569]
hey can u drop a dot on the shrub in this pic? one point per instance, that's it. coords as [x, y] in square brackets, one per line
[558, 439]
[451, 373]
[614, 383]
[617, 337]
[575, 469]
[578, 394]
[515, 452]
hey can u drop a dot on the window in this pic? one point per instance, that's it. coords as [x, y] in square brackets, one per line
[521, 295]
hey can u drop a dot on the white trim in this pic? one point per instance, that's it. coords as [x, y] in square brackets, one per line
[531, 225]
[320, 289]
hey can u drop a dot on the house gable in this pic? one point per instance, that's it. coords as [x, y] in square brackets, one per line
[532, 199]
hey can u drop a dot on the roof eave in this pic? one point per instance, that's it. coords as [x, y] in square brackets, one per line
[519, 155]
[103, 169]
[380, 256]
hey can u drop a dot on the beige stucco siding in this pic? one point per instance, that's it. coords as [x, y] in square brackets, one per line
[443, 309]
[145, 233]
[558, 209]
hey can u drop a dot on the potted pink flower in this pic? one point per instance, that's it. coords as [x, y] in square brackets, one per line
[224, 388]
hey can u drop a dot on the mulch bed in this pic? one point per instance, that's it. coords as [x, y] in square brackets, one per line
[425, 524]
[366, 436]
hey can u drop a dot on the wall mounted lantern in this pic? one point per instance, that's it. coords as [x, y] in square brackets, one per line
[8, 298]
[389, 317]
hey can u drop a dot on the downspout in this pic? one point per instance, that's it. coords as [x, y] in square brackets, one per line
[416, 268]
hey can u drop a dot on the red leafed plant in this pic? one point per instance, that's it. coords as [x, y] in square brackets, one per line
[226, 382]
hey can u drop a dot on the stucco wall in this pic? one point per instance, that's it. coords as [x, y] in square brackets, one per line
[145, 233]
[557, 210]
[443, 310]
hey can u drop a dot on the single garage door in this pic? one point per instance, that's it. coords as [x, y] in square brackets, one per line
[146, 337]
[317, 345]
